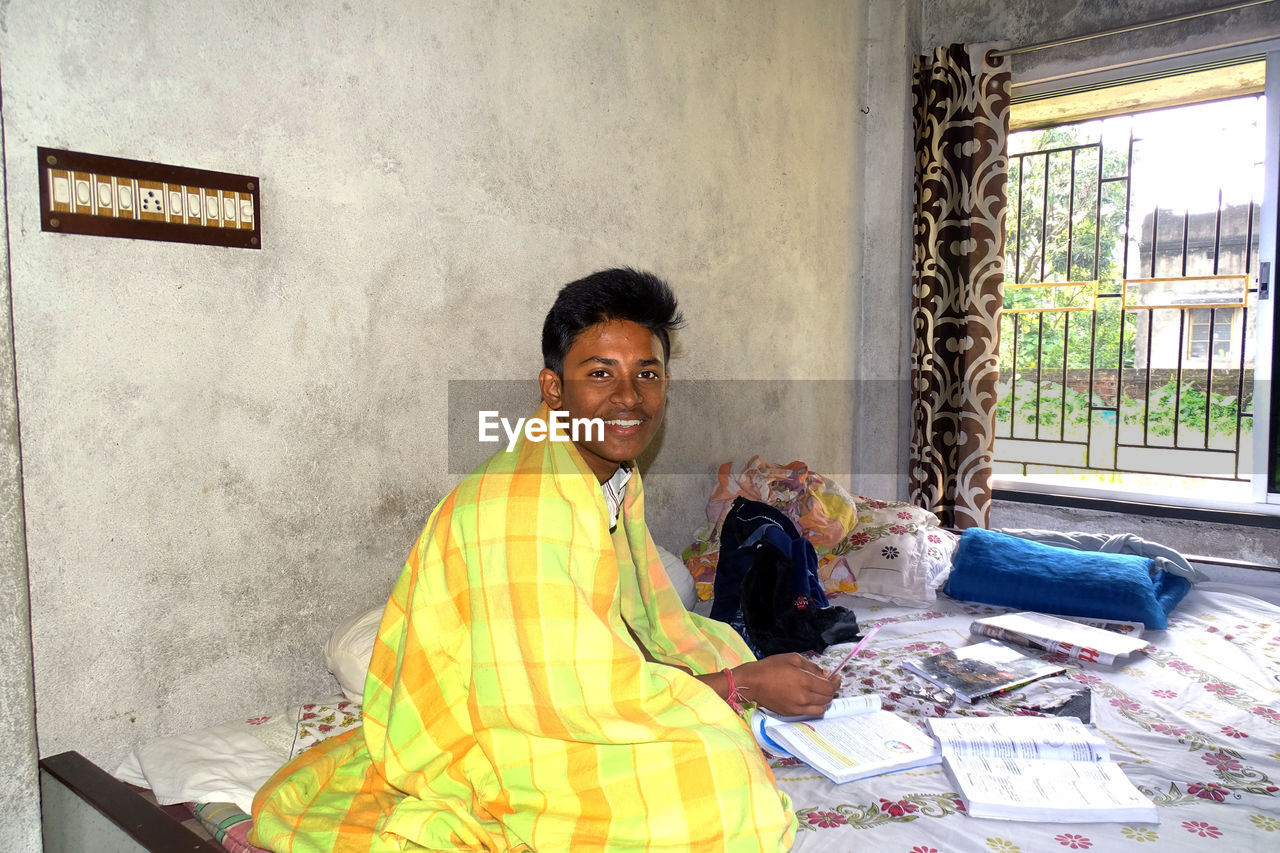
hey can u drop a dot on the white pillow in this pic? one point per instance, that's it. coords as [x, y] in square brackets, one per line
[221, 764]
[900, 565]
[680, 577]
[348, 651]
[229, 762]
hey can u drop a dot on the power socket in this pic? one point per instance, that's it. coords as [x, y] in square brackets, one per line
[151, 201]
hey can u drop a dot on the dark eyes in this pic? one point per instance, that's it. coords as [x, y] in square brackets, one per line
[601, 373]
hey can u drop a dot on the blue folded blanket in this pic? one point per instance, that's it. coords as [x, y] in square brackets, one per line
[994, 568]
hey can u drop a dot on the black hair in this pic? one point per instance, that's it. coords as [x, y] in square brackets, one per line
[617, 294]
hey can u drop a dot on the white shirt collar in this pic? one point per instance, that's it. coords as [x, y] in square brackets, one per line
[615, 489]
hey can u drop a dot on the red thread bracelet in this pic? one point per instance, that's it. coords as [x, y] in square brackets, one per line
[735, 695]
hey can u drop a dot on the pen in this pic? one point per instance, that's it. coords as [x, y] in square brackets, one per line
[853, 651]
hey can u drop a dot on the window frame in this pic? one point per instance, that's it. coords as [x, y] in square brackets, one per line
[1265, 482]
[1213, 326]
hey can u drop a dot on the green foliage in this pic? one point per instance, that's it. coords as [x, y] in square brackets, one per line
[1057, 405]
[1064, 225]
[1192, 406]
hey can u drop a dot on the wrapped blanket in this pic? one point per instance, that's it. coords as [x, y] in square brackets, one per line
[508, 706]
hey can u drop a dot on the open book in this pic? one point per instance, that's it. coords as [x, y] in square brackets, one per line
[854, 739]
[1054, 634]
[971, 672]
[1037, 768]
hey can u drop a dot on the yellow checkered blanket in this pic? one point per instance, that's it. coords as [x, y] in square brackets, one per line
[508, 706]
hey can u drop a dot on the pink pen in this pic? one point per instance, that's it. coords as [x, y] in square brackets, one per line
[853, 651]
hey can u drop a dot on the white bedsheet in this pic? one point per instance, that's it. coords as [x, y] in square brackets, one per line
[1195, 724]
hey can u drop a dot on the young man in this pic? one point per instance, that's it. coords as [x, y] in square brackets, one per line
[536, 683]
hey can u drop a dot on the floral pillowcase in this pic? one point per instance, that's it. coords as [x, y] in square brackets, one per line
[898, 552]
[886, 550]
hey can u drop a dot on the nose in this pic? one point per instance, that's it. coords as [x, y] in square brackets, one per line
[627, 392]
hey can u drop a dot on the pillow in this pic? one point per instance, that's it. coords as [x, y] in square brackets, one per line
[229, 762]
[885, 550]
[348, 651]
[898, 553]
[680, 577]
[995, 568]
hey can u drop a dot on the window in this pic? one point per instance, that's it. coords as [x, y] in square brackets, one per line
[1216, 325]
[1134, 264]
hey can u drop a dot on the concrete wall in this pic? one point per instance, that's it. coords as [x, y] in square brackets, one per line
[1018, 23]
[20, 809]
[227, 451]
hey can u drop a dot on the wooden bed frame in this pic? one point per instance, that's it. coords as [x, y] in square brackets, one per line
[83, 807]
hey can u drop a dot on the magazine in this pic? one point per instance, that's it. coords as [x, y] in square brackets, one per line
[854, 739]
[1053, 634]
[1117, 626]
[971, 672]
[1037, 768]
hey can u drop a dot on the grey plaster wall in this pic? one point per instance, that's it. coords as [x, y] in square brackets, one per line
[1017, 23]
[880, 240]
[227, 451]
[20, 809]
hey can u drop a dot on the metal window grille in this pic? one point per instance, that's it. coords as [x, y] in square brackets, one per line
[1126, 336]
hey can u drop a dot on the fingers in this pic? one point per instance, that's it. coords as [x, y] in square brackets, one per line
[790, 684]
[803, 663]
[807, 665]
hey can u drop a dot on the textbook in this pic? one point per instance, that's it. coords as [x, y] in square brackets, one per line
[1037, 768]
[854, 739]
[1053, 634]
[971, 672]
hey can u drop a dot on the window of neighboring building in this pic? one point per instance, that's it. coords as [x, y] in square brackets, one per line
[1205, 325]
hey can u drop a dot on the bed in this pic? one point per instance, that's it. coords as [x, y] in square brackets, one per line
[1194, 720]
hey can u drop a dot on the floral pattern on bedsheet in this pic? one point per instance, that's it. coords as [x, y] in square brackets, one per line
[1193, 721]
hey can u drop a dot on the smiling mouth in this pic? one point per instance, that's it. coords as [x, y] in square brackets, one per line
[624, 423]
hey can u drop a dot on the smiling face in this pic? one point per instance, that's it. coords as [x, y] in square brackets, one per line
[613, 371]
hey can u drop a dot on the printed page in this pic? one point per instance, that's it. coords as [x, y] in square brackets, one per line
[851, 747]
[841, 706]
[1036, 789]
[1080, 641]
[1054, 738]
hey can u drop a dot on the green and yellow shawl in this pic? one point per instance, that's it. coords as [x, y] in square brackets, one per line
[509, 708]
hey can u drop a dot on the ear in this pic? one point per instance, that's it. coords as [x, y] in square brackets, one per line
[551, 386]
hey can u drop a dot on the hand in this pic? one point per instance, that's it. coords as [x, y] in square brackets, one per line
[788, 685]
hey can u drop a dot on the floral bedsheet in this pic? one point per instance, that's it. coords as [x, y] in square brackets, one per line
[1194, 721]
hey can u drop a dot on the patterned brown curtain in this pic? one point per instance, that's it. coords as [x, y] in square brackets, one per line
[961, 119]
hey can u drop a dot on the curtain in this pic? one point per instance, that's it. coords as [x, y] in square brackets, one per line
[961, 122]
